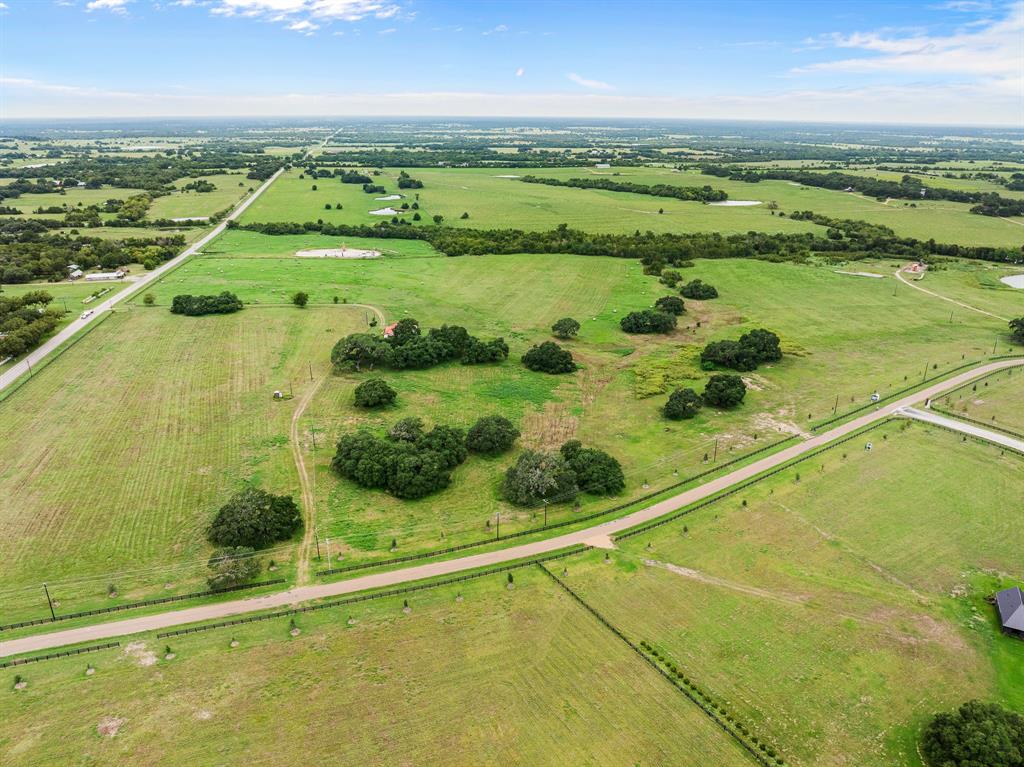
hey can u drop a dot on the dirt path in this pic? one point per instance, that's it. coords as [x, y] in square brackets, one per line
[298, 594]
[899, 276]
[306, 482]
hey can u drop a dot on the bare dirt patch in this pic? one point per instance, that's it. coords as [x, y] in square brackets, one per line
[769, 422]
[138, 652]
[110, 725]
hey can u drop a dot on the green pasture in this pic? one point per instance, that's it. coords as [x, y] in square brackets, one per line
[472, 674]
[836, 606]
[995, 399]
[231, 187]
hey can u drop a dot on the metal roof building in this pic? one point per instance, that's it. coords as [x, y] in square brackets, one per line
[1010, 603]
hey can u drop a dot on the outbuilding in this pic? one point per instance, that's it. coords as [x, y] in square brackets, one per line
[101, 276]
[1010, 603]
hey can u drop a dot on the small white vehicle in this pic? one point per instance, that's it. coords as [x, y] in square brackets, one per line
[875, 397]
[87, 314]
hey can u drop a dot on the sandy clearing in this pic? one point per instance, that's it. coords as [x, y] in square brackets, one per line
[389, 211]
[1013, 280]
[735, 203]
[139, 652]
[860, 274]
[109, 725]
[190, 218]
[337, 253]
[507, 176]
[388, 198]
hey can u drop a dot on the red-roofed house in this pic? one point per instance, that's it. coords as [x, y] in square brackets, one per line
[390, 330]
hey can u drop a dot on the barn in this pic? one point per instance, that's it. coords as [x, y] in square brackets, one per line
[1010, 603]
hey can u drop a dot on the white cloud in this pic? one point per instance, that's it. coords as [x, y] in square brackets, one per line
[114, 6]
[496, 30]
[990, 54]
[520, 72]
[288, 11]
[388, 31]
[303, 26]
[3, 6]
[964, 6]
[594, 85]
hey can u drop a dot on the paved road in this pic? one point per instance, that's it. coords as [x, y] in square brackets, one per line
[596, 534]
[36, 356]
[1005, 440]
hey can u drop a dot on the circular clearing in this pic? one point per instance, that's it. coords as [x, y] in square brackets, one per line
[338, 253]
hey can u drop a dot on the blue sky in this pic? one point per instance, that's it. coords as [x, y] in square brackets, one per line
[956, 62]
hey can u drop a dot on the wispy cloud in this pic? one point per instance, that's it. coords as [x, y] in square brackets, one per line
[594, 85]
[964, 6]
[520, 72]
[114, 6]
[303, 26]
[989, 54]
[496, 30]
[316, 12]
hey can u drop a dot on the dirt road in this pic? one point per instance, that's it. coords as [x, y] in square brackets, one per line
[166, 620]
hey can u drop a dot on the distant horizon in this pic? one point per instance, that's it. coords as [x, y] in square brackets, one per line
[919, 62]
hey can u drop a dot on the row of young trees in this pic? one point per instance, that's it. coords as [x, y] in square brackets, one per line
[689, 193]
[407, 348]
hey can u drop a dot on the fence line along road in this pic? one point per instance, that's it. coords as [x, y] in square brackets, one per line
[488, 559]
[37, 355]
[980, 432]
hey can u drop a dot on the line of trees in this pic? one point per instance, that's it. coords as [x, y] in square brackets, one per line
[658, 250]
[907, 188]
[688, 193]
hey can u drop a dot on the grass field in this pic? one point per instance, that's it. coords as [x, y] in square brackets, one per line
[183, 204]
[978, 285]
[995, 400]
[848, 336]
[502, 677]
[835, 612]
[114, 458]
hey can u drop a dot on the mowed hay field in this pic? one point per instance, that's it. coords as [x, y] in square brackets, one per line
[496, 202]
[994, 400]
[835, 614]
[847, 337]
[499, 677]
[114, 458]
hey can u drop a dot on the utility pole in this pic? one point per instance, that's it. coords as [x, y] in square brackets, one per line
[328, 553]
[317, 537]
[497, 525]
[545, 512]
[836, 406]
[312, 433]
[49, 602]
[716, 452]
[925, 374]
[310, 371]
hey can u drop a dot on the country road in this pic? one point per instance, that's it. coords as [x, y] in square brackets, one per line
[1003, 440]
[600, 532]
[23, 366]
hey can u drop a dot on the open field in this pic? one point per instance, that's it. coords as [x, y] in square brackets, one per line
[516, 677]
[182, 204]
[995, 400]
[979, 285]
[495, 202]
[847, 336]
[115, 456]
[836, 613]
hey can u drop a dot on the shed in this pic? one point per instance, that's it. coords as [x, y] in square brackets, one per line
[390, 330]
[1010, 603]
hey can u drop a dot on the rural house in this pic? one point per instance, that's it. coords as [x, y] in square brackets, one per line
[1010, 603]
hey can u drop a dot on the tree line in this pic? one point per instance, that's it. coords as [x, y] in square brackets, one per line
[657, 249]
[25, 321]
[405, 347]
[689, 193]
[908, 188]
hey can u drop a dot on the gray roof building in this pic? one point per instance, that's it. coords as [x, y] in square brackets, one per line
[1010, 603]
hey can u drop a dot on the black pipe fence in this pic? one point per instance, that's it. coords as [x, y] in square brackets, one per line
[372, 596]
[554, 525]
[144, 603]
[61, 654]
[749, 483]
[919, 384]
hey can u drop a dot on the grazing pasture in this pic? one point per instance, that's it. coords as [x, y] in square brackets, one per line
[846, 337]
[995, 400]
[114, 458]
[474, 674]
[834, 607]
